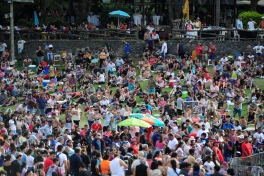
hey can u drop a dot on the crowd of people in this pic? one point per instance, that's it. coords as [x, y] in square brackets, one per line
[63, 120]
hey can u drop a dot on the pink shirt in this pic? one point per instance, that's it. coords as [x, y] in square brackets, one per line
[159, 145]
[195, 119]
[162, 103]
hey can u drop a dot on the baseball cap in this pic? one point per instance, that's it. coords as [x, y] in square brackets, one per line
[18, 154]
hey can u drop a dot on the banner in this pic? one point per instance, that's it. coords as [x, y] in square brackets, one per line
[185, 10]
[32, 1]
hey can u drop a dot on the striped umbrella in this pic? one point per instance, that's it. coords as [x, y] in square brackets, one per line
[149, 119]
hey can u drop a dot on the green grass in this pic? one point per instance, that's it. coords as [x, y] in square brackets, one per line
[259, 82]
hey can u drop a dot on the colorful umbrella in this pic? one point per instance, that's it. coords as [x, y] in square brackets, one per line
[36, 21]
[119, 14]
[149, 119]
[134, 122]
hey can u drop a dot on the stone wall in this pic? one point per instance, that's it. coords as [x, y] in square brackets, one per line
[223, 47]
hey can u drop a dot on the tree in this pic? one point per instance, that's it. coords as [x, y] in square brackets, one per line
[254, 4]
[217, 12]
[171, 16]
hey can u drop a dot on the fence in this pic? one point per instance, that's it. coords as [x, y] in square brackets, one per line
[217, 34]
[134, 34]
[249, 166]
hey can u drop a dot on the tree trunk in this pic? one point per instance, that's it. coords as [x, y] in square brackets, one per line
[170, 10]
[82, 11]
[89, 5]
[254, 4]
[43, 11]
[217, 12]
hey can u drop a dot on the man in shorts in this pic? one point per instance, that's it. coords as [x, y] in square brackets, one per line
[199, 52]
[212, 51]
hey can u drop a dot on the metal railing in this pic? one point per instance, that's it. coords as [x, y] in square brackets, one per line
[217, 34]
[248, 166]
[135, 34]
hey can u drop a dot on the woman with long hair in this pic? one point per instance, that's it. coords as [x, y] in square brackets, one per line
[196, 170]
[172, 169]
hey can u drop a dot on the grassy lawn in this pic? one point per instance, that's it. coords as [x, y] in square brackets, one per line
[259, 82]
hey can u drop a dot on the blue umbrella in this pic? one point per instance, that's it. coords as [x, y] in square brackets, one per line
[119, 14]
[36, 21]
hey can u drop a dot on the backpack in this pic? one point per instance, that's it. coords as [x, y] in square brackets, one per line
[58, 156]
[52, 169]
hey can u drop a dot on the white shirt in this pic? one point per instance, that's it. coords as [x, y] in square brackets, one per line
[30, 161]
[104, 102]
[136, 163]
[2, 47]
[12, 125]
[155, 37]
[63, 158]
[101, 78]
[207, 125]
[259, 136]
[20, 44]
[111, 65]
[150, 29]
[239, 24]
[172, 144]
[164, 48]
[251, 57]
[20, 108]
[76, 115]
[200, 132]
[115, 168]
[209, 167]
[258, 49]
[251, 25]
[171, 172]
[223, 60]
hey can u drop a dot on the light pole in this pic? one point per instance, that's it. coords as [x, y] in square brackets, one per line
[12, 37]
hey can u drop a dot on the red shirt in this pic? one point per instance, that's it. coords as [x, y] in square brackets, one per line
[247, 147]
[96, 126]
[212, 49]
[199, 50]
[219, 153]
[135, 147]
[83, 133]
[47, 163]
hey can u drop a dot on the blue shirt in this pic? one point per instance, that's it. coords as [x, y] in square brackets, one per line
[42, 103]
[155, 138]
[189, 99]
[97, 144]
[131, 87]
[230, 125]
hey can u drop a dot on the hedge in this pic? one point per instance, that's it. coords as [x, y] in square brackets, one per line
[250, 14]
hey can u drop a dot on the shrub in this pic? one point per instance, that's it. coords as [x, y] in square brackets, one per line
[24, 22]
[250, 14]
[57, 21]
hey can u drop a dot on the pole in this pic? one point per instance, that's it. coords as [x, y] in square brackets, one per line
[12, 38]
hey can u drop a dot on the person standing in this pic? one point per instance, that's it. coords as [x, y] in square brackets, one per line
[3, 46]
[261, 24]
[75, 161]
[42, 102]
[199, 52]
[239, 23]
[15, 167]
[246, 147]
[164, 49]
[20, 45]
[63, 164]
[118, 166]
[180, 49]
[40, 54]
[251, 24]
[212, 51]
[258, 49]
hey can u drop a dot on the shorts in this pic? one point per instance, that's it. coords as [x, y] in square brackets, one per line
[179, 111]
[258, 54]
[19, 50]
[199, 57]
[212, 56]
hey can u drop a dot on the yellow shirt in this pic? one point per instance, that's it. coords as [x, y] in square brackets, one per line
[52, 71]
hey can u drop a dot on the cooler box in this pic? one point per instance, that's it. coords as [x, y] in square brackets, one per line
[184, 94]
[172, 83]
[32, 68]
[45, 83]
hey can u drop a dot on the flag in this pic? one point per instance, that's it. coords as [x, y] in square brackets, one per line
[185, 10]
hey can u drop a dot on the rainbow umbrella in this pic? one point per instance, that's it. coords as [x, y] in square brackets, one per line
[148, 118]
[134, 122]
